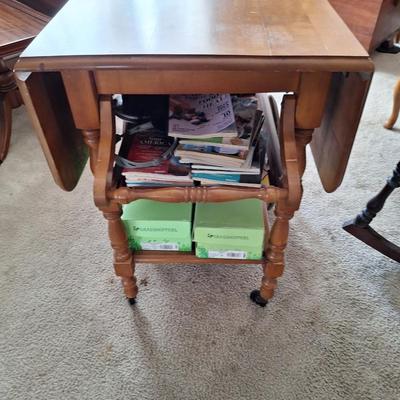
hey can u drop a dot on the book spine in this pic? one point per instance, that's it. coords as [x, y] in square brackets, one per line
[228, 178]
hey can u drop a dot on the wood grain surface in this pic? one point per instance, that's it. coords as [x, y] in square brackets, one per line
[371, 21]
[197, 27]
[333, 140]
[62, 143]
[48, 7]
[19, 24]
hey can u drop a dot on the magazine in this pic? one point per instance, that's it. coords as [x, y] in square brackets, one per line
[214, 182]
[233, 178]
[201, 116]
[254, 169]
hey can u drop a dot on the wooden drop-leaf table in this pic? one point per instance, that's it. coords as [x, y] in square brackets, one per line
[19, 24]
[89, 52]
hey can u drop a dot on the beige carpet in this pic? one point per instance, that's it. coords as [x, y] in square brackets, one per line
[332, 331]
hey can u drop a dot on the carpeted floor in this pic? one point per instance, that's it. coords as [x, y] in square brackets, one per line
[331, 332]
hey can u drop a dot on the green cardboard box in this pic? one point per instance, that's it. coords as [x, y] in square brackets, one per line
[153, 225]
[229, 230]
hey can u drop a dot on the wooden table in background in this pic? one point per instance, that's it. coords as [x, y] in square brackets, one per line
[89, 52]
[371, 21]
[48, 7]
[19, 24]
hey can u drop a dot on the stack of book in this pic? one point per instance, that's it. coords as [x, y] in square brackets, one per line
[218, 137]
[208, 139]
[150, 161]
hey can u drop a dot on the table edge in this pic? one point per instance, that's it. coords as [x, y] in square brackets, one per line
[281, 63]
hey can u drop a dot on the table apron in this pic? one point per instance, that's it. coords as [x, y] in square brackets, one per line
[195, 81]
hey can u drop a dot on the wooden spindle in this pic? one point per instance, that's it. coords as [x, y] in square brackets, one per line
[275, 264]
[7, 86]
[284, 210]
[123, 260]
[198, 194]
[376, 204]
[396, 107]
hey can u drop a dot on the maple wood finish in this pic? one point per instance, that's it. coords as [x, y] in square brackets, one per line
[18, 25]
[88, 53]
[396, 107]
[371, 21]
[332, 141]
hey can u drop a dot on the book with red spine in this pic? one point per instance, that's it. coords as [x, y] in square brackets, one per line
[148, 146]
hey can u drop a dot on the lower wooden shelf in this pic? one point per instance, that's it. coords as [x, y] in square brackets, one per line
[180, 257]
[177, 257]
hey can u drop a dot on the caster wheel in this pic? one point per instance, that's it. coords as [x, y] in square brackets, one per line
[256, 298]
[132, 301]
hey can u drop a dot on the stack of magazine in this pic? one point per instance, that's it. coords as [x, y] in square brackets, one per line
[204, 139]
[219, 138]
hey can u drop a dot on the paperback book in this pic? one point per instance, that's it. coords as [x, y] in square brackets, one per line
[211, 155]
[224, 144]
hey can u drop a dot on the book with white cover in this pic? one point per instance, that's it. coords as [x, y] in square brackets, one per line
[201, 116]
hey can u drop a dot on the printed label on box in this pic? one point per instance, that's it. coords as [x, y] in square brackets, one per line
[240, 255]
[159, 246]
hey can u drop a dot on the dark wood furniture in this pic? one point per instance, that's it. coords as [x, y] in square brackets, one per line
[19, 24]
[48, 7]
[360, 226]
[69, 73]
[371, 21]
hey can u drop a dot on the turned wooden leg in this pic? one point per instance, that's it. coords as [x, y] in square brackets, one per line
[5, 126]
[7, 86]
[123, 260]
[396, 107]
[293, 143]
[275, 252]
[274, 266]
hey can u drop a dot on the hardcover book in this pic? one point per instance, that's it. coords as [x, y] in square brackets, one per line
[148, 146]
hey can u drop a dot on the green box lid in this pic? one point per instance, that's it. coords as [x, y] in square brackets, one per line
[148, 218]
[234, 222]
